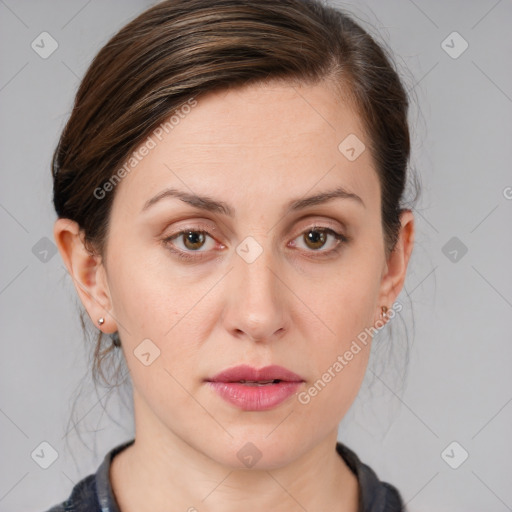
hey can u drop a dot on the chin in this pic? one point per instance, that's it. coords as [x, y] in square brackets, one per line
[255, 449]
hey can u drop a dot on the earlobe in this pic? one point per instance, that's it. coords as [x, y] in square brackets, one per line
[86, 271]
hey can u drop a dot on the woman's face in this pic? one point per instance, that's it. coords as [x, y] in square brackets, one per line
[266, 277]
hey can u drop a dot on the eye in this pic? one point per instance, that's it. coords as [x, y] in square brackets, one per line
[316, 237]
[192, 240]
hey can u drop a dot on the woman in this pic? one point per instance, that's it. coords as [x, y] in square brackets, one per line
[229, 193]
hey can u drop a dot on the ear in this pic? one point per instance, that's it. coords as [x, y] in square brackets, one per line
[87, 271]
[395, 270]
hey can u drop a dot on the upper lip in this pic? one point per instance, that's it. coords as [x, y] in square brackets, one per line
[248, 373]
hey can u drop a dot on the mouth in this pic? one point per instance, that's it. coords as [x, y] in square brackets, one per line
[258, 383]
[244, 374]
[252, 389]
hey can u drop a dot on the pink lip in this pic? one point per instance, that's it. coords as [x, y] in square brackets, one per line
[253, 397]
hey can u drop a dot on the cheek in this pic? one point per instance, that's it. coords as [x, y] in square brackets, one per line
[339, 361]
[149, 296]
[343, 305]
[339, 337]
[163, 314]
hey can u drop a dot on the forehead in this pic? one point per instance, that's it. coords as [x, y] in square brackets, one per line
[267, 115]
[253, 139]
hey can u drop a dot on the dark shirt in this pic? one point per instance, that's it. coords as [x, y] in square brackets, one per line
[94, 492]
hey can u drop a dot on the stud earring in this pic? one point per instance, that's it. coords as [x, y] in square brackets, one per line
[101, 321]
[384, 312]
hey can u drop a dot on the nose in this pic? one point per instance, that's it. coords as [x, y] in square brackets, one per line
[256, 308]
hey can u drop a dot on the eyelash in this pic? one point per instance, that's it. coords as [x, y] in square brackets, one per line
[342, 239]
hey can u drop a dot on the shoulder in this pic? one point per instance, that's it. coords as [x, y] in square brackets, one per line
[375, 495]
[393, 500]
[94, 492]
[81, 499]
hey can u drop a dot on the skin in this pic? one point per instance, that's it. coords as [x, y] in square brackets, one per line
[255, 148]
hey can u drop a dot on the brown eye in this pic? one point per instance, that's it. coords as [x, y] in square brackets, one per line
[193, 239]
[187, 242]
[315, 238]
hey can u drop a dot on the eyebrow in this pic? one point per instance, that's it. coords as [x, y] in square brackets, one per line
[212, 205]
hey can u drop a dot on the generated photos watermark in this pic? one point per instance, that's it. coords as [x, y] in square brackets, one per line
[304, 397]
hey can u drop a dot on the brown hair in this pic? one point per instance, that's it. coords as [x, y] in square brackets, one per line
[180, 49]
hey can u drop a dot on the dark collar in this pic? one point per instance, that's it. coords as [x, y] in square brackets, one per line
[104, 490]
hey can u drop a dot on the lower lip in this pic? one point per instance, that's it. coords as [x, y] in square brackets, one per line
[255, 398]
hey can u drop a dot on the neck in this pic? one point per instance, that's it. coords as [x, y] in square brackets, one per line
[161, 469]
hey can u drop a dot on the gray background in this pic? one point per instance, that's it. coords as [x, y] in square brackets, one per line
[459, 384]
